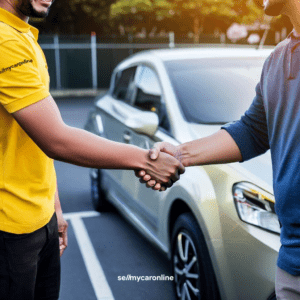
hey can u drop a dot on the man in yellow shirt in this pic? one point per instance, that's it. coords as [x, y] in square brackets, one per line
[32, 134]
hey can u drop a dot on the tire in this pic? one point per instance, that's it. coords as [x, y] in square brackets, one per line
[98, 194]
[272, 297]
[193, 273]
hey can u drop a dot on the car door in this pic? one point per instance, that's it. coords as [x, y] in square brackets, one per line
[147, 97]
[109, 111]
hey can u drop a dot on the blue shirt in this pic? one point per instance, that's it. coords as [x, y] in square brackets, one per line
[273, 122]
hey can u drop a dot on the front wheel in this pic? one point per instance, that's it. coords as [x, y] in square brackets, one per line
[192, 269]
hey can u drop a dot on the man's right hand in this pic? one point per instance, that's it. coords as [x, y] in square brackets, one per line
[164, 169]
[164, 147]
[154, 153]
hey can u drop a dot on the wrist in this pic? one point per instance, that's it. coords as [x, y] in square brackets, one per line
[183, 155]
[141, 159]
[58, 211]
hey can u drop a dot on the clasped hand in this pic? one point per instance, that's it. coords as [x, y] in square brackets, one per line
[164, 175]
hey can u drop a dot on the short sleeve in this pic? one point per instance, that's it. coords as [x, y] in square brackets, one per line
[251, 132]
[20, 80]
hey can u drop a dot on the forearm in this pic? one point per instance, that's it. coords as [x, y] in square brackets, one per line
[215, 149]
[85, 149]
[44, 125]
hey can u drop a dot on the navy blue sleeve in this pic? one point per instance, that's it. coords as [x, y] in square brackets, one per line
[251, 133]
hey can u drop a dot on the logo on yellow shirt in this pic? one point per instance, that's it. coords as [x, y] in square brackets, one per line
[25, 61]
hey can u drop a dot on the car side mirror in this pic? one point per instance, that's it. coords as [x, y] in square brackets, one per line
[145, 122]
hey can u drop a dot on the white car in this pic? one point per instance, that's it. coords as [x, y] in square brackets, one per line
[217, 224]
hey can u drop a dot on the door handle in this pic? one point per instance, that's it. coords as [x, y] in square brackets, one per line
[127, 137]
[146, 145]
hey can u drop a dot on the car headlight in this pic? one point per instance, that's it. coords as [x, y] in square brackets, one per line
[255, 206]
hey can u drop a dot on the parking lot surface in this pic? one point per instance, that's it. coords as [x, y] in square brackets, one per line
[105, 253]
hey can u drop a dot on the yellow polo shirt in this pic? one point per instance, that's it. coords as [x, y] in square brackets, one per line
[27, 175]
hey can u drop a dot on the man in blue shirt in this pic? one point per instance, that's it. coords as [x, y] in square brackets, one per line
[272, 122]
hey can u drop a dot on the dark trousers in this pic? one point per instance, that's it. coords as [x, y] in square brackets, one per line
[30, 264]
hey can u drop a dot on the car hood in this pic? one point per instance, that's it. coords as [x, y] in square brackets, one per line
[258, 170]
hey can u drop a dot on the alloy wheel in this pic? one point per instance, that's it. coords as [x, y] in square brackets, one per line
[186, 268]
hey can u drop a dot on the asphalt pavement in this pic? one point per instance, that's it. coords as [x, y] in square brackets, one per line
[102, 247]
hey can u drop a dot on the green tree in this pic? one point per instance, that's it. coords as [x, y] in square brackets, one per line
[198, 10]
[127, 7]
[134, 14]
[77, 17]
[247, 12]
[223, 11]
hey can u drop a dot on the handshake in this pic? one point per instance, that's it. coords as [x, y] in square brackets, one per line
[163, 169]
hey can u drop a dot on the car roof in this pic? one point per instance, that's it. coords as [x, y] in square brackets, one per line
[206, 52]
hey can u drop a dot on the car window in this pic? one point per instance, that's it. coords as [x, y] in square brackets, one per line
[214, 91]
[124, 85]
[148, 94]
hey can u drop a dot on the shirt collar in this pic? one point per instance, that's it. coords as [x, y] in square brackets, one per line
[292, 36]
[18, 24]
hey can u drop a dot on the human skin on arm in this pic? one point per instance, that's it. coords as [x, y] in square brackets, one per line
[43, 123]
[62, 225]
[218, 148]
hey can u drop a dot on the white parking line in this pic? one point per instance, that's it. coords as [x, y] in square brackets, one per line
[94, 269]
[82, 214]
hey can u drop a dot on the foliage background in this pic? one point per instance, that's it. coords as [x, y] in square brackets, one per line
[151, 17]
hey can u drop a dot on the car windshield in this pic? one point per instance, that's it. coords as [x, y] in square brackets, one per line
[214, 90]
